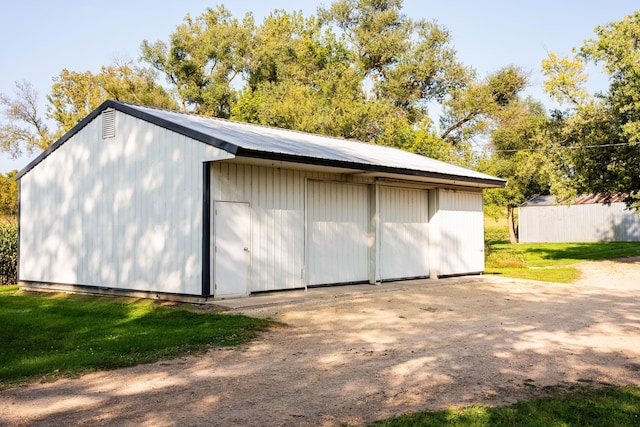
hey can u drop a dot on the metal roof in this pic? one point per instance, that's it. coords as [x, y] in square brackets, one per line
[585, 199]
[261, 142]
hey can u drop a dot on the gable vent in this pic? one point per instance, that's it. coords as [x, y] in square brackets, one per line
[109, 124]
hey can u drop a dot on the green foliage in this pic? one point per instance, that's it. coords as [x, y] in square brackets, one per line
[476, 108]
[565, 79]
[597, 135]
[519, 141]
[48, 335]
[9, 194]
[358, 69]
[75, 94]
[203, 58]
[495, 234]
[608, 406]
[8, 250]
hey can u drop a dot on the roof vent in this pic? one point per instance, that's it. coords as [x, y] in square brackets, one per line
[109, 123]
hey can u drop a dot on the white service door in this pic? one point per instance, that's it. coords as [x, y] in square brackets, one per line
[337, 226]
[404, 233]
[231, 227]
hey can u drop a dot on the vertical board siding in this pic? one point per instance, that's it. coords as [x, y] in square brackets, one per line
[338, 223]
[123, 212]
[276, 199]
[404, 233]
[461, 232]
[578, 223]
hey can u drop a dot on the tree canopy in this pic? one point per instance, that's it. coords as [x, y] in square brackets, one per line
[597, 135]
[362, 69]
[357, 69]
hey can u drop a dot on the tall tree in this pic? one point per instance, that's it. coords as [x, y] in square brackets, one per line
[204, 58]
[408, 62]
[476, 108]
[358, 69]
[599, 133]
[24, 127]
[75, 94]
[520, 156]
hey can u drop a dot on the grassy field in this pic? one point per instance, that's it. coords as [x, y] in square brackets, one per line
[550, 262]
[610, 406]
[49, 335]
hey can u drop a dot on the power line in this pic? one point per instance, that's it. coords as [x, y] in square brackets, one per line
[573, 147]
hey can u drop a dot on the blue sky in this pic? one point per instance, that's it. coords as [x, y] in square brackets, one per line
[40, 38]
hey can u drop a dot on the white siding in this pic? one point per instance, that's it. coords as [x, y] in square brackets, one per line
[276, 198]
[461, 232]
[338, 224]
[404, 233]
[122, 212]
[578, 223]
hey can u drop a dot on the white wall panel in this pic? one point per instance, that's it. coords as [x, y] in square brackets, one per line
[276, 198]
[404, 233]
[578, 223]
[337, 226]
[122, 212]
[461, 232]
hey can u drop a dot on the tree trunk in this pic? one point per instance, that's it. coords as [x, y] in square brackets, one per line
[512, 232]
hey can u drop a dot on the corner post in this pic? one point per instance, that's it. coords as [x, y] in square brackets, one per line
[206, 229]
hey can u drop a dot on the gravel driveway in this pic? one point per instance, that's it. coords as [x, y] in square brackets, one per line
[403, 348]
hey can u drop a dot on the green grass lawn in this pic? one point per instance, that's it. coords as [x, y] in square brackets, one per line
[550, 262]
[48, 335]
[610, 406]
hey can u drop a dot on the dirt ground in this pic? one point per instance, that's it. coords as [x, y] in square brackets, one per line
[432, 344]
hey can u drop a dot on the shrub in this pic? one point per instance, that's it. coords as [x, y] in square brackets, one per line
[8, 250]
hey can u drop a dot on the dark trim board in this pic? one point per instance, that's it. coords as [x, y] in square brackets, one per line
[172, 126]
[327, 285]
[368, 167]
[206, 229]
[403, 279]
[471, 273]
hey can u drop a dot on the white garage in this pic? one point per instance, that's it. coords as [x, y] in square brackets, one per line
[157, 202]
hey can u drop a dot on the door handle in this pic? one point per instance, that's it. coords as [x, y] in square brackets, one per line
[246, 249]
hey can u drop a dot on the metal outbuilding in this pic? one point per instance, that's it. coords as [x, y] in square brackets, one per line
[589, 218]
[166, 203]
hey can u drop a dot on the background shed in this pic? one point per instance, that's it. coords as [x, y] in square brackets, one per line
[587, 219]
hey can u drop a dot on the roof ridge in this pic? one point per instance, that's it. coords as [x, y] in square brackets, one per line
[267, 142]
[257, 125]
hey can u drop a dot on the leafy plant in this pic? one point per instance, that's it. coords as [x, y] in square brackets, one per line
[8, 251]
